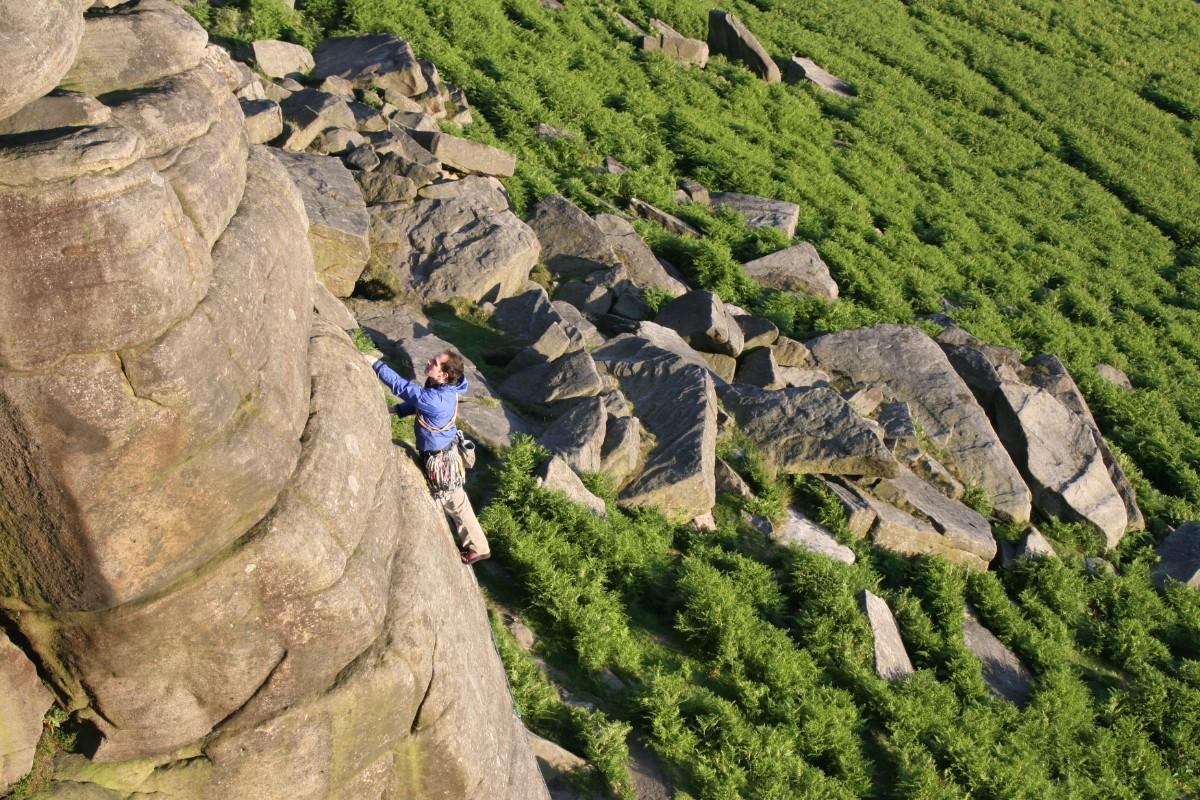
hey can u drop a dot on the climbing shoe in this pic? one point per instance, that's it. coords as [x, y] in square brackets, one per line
[471, 555]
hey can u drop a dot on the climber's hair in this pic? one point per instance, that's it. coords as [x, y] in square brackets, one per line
[452, 368]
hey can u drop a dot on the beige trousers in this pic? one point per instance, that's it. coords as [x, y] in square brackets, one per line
[458, 508]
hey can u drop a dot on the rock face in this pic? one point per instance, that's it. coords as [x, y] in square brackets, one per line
[640, 264]
[221, 562]
[797, 269]
[39, 40]
[891, 659]
[23, 703]
[676, 402]
[912, 368]
[1180, 554]
[809, 430]
[577, 437]
[456, 247]
[337, 218]
[962, 528]
[728, 36]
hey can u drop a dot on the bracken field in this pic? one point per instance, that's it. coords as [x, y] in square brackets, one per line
[1030, 168]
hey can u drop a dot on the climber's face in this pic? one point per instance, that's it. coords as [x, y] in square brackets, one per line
[433, 368]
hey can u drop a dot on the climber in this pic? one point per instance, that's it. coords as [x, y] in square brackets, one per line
[436, 407]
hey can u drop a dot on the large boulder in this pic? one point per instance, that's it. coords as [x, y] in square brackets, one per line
[23, 703]
[891, 659]
[134, 44]
[1049, 373]
[1180, 556]
[573, 244]
[760, 212]
[155, 454]
[264, 120]
[913, 368]
[798, 269]
[622, 449]
[809, 430]
[338, 224]
[376, 60]
[407, 338]
[194, 131]
[730, 37]
[457, 247]
[676, 402]
[277, 59]
[578, 435]
[1058, 454]
[39, 39]
[703, 322]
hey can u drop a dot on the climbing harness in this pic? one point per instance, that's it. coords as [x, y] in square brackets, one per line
[446, 469]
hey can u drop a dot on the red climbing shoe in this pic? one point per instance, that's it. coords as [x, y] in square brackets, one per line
[471, 555]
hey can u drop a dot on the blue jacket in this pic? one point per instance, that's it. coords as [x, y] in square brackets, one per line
[436, 405]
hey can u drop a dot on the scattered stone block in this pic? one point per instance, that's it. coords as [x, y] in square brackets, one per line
[307, 113]
[465, 155]
[728, 480]
[556, 474]
[797, 530]
[703, 322]
[760, 212]
[670, 222]
[375, 60]
[578, 435]
[1114, 376]
[1003, 672]
[277, 59]
[757, 367]
[730, 37]
[800, 69]
[860, 516]
[891, 658]
[1179, 556]
[264, 120]
[1032, 544]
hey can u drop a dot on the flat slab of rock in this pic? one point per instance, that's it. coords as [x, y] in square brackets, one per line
[676, 402]
[702, 320]
[277, 59]
[453, 248]
[963, 527]
[797, 530]
[1003, 672]
[23, 704]
[376, 60]
[556, 474]
[61, 108]
[914, 369]
[669, 222]
[573, 244]
[800, 69]
[338, 224]
[1180, 556]
[797, 269]
[891, 658]
[133, 45]
[809, 431]
[860, 516]
[906, 533]
[1059, 455]
[465, 155]
[406, 337]
[1049, 373]
[730, 37]
[760, 212]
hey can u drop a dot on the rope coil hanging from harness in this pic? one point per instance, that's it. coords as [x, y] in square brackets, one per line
[444, 468]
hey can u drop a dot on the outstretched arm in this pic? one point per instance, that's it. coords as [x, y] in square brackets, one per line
[408, 391]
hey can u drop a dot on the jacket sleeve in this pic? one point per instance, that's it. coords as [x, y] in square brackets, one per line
[402, 387]
[404, 409]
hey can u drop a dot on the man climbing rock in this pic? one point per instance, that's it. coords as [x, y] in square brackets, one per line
[436, 408]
